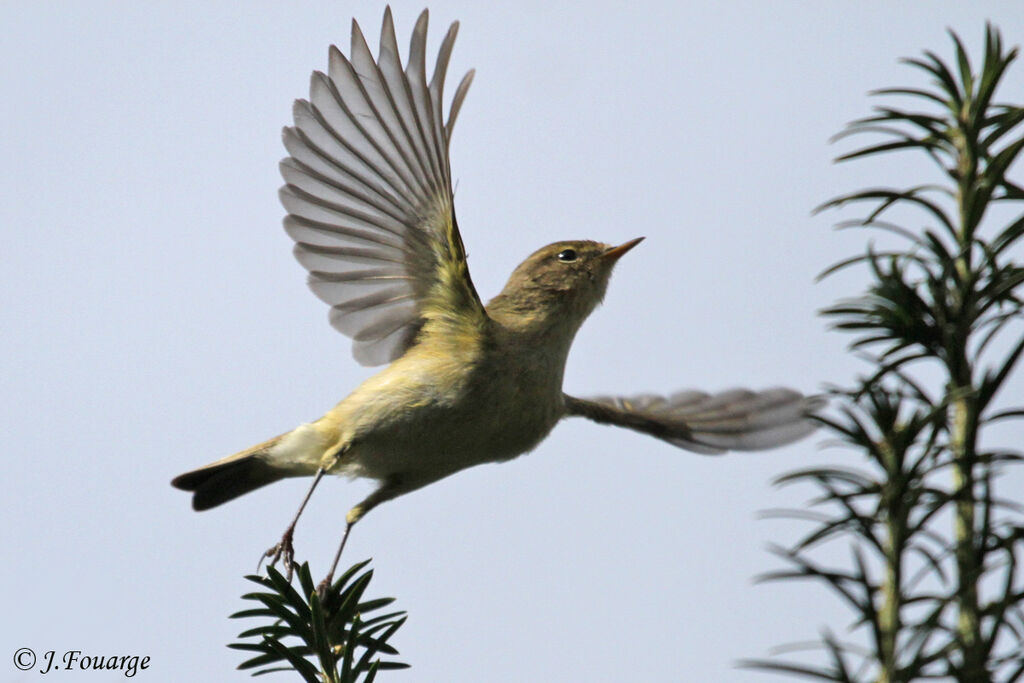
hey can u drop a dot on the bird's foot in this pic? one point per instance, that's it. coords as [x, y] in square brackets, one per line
[284, 550]
[324, 586]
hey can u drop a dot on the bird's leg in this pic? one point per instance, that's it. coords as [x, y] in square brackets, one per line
[391, 488]
[284, 549]
[350, 519]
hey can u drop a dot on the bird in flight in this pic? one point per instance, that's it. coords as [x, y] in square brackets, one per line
[368, 192]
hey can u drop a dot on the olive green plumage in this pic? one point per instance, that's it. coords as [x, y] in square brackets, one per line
[368, 192]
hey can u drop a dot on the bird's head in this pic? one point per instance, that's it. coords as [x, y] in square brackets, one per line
[558, 285]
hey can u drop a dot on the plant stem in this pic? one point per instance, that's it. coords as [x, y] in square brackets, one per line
[964, 417]
[889, 622]
[963, 446]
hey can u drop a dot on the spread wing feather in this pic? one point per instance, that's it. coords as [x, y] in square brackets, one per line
[734, 420]
[368, 193]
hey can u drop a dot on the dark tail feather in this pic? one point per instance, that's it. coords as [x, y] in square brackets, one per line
[229, 478]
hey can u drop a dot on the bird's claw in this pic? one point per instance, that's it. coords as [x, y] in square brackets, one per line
[285, 551]
[324, 586]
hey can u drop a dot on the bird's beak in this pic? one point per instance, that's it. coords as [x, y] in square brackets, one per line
[614, 253]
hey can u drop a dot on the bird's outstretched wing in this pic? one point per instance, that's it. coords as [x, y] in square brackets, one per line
[369, 195]
[734, 420]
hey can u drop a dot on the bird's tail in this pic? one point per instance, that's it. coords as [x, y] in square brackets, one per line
[232, 476]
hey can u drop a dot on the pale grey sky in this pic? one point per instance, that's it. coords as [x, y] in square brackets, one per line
[153, 319]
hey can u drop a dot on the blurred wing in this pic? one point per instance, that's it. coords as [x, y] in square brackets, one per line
[734, 420]
[369, 195]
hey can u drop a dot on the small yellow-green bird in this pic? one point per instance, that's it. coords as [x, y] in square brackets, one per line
[369, 199]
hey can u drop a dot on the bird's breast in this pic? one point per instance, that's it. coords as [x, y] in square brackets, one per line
[429, 417]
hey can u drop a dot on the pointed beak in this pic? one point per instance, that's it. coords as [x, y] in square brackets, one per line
[615, 253]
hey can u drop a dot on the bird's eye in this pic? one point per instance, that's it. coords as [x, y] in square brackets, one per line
[567, 255]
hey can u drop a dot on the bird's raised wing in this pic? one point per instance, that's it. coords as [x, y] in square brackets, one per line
[734, 420]
[369, 195]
